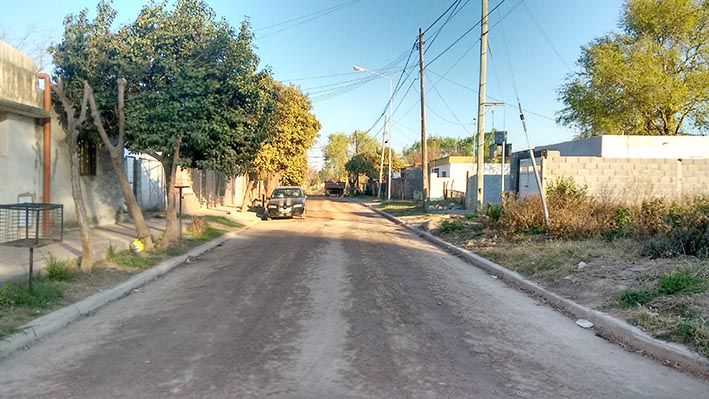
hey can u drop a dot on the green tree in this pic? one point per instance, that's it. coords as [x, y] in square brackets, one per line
[441, 147]
[336, 156]
[194, 93]
[282, 160]
[650, 79]
[88, 53]
[362, 142]
[365, 163]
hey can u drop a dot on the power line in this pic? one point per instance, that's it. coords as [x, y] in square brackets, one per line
[490, 97]
[294, 22]
[464, 34]
[435, 36]
[539, 27]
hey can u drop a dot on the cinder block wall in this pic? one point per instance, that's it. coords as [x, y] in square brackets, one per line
[630, 179]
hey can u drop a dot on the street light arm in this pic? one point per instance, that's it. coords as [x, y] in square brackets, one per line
[387, 121]
[360, 69]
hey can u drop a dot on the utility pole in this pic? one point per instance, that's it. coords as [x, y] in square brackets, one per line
[389, 175]
[424, 155]
[481, 108]
[381, 163]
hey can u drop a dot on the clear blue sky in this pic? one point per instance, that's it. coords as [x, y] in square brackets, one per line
[534, 45]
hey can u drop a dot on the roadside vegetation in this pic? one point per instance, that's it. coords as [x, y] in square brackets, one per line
[647, 262]
[62, 282]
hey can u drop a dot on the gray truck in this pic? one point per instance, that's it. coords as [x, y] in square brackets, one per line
[334, 187]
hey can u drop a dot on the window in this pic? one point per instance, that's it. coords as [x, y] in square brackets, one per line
[86, 151]
[444, 174]
[435, 170]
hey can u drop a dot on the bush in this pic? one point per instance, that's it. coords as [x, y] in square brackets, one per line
[59, 270]
[653, 216]
[564, 192]
[450, 226]
[686, 231]
[520, 215]
[493, 211]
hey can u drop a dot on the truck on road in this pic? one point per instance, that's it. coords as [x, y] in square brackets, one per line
[334, 187]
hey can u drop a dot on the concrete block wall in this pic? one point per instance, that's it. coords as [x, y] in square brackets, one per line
[629, 179]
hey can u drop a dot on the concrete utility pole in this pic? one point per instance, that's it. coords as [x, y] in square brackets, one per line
[480, 173]
[381, 164]
[424, 154]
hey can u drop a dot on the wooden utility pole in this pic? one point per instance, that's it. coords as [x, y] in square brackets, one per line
[424, 154]
[481, 108]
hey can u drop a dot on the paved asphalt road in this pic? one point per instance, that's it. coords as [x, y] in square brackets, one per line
[343, 304]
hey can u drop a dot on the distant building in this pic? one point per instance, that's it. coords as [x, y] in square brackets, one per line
[620, 168]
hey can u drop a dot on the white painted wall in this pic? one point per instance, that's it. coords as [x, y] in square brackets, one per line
[657, 147]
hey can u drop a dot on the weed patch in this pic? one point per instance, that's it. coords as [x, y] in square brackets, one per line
[60, 270]
[7, 330]
[402, 208]
[43, 294]
[223, 221]
[682, 281]
[450, 226]
[126, 258]
[636, 296]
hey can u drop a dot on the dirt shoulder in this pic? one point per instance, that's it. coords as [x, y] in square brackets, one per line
[668, 298]
[62, 284]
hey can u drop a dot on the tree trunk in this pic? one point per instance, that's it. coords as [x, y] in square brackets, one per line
[72, 133]
[87, 252]
[141, 228]
[116, 153]
[272, 181]
[248, 194]
[170, 166]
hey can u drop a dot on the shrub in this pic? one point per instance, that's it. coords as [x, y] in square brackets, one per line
[653, 216]
[59, 270]
[520, 215]
[493, 211]
[450, 226]
[621, 225]
[686, 232]
[564, 192]
[574, 214]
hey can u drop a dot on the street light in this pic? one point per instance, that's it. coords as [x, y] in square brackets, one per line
[360, 69]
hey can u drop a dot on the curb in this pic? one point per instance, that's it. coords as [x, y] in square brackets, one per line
[607, 326]
[54, 321]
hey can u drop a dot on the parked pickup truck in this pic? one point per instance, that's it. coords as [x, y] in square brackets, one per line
[335, 187]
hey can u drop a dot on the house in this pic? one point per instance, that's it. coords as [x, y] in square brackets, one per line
[620, 168]
[448, 176]
[454, 177]
[199, 188]
[34, 163]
